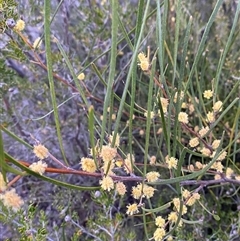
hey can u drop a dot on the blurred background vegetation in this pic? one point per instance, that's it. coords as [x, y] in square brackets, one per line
[83, 28]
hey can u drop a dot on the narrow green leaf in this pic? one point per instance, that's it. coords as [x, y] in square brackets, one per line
[158, 209]
[192, 222]
[109, 92]
[2, 158]
[91, 131]
[47, 33]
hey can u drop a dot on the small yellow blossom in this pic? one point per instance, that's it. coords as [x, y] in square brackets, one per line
[216, 144]
[88, 164]
[148, 191]
[142, 190]
[176, 96]
[144, 62]
[237, 177]
[186, 193]
[40, 151]
[159, 234]
[183, 117]
[103, 2]
[81, 76]
[176, 202]
[108, 153]
[173, 217]
[141, 132]
[210, 117]
[153, 160]
[208, 94]
[190, 167]
[221, 157]
[152, 176]
[12, 200]
[121, 188]
[170, 238]
[199, 165]
[172, 162]
[107, 183]
[119, 163]
[194, 142]
[205, 151]
[159, 221]
[114, 116]
[39, 167]
[196, 128]
[229, 172]
[193, 198]
[142, 57]
[164, 103]
[136, 192]
[117, 140]
[159, 131]
[132, 209]
[127, 163]
[217, 166]
[144, 65]
[151, 114]
[37, 43]
[3, 184]
[217, 107]
[191, 108]
[184, 105]
[203, 131]
[217, 177]
[20, 25]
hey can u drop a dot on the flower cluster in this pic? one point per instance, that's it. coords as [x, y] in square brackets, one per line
[183, 117]
[108, 153]
[164, 103]
[107, 183]
[194, 142]
[152, 176]
[37, 43]
[20, 25]
[132, 209]
[40, 151]
[160, 222]
[121, 188]
[190, 199]
[208, 94]
[144, 62]
[38, 167]
[81, 76]
[88, 164]
[142, 190]
[171, 162]
[11, 199]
